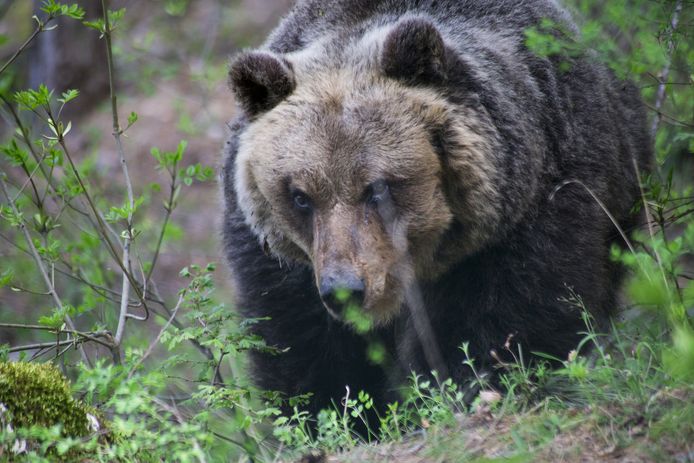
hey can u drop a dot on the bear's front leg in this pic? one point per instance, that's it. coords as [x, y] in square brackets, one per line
[316, 354]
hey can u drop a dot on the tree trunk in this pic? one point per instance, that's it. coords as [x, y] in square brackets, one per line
[71, 57]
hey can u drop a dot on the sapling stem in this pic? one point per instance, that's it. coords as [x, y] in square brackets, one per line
[40, 264]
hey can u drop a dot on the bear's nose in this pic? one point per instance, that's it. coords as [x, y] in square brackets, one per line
[340, 290]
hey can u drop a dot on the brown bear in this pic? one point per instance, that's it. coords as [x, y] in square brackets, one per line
[404, 156]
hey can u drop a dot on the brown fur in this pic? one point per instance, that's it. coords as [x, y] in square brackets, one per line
[409, 151]
[331, 138]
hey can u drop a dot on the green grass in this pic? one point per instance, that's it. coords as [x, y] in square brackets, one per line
[615, 401]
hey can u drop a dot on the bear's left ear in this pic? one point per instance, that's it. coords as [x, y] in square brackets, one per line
[414, 52]
[260, 81]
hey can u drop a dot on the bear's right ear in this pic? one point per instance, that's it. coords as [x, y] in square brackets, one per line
[414, 52]
[260, 81]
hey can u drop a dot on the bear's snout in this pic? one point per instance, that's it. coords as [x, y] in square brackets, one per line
[340, 289]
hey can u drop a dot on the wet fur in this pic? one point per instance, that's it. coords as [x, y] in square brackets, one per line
[520, 128]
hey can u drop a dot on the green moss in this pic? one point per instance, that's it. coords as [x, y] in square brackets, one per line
[38, 394]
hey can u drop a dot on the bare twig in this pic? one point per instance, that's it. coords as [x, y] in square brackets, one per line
[28, 291]
[44, 345]
[145, 317]
[154, 342]
[40, 28]
[117, 131]
[217, 368]
[22, 326]
[30, 181]
[604, 208]
[106, 293]
[83, 337]
[61, 353]
[665, 73]
[660, 115]
[58, 331]
[169, 210]
[101, 225]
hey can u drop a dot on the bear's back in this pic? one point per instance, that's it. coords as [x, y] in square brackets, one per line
[310, 20]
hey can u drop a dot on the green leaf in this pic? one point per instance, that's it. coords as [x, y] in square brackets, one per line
[16, 155]
[132, 118]
[176, 7]
[6, 277]
[114, 17]
[97, 25]
[69, 96]
[53, 8]
[33, 99]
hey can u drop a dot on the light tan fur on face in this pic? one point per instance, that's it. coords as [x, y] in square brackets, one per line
[343, 129]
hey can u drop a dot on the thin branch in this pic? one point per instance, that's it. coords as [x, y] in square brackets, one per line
[100, 222]
[106, 293]
[30, 181]
[666, 83]
[169, 210]
[21, 289]
[660, 115]
[31, 327]
[217, 368]
[100, 225]
[229, 439]
[43, 345]
[38, 354]
[156, 340]
[58, 331]
[40, 28]
[665, 73]
[83, 337]
[39, 263]
[144, 317]
[62, 352]
[602, 205]
[103, 228]
[101, 290]
[125, 292]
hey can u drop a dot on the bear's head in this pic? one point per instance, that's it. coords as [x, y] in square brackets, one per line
[355, 162]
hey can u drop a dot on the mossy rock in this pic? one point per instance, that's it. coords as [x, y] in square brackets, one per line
[38, 394]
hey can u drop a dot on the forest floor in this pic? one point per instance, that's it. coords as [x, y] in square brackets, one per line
[574, 435]
[545, 433]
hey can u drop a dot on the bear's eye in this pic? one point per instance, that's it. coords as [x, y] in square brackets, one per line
[377, 191]
[301, 200]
